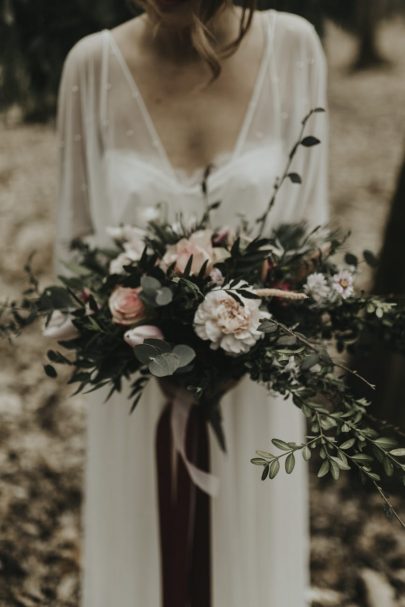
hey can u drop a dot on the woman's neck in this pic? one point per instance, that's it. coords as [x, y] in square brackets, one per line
[173, 42]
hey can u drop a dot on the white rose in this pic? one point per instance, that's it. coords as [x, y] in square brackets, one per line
[229, 325]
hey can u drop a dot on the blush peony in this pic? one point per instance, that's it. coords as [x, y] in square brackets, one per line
[135, 337]
[199, 245]
[228, 324]
[126, 306]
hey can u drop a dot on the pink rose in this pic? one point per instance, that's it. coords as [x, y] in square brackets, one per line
[126, 306]
[60, 327]
[135, 337]
[199, 245]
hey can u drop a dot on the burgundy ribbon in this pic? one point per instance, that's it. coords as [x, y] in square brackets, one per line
[184, 513]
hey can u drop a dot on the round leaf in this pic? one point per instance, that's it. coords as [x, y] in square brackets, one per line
[185, 354]
[164, 365]
[145, 352]
[150, 284]
[164, 297]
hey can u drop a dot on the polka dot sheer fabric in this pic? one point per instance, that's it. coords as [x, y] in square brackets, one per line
[114, 170]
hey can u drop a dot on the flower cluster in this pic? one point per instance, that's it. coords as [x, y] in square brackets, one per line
[206, 306]
[324, 289]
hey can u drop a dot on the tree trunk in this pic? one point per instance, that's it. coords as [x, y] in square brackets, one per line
[385, 369]
[368, 17]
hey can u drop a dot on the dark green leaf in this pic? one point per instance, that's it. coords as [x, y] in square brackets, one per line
[370, 259]
[295, 177]
[50, 371]
[187, 269]
[145, 352]
[351, 260]
[310, 141]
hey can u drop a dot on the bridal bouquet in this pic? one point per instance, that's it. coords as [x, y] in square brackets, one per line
[199, 307]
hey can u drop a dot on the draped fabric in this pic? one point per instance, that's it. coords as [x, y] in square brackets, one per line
[114, 169]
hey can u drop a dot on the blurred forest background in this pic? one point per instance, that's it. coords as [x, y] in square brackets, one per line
[358, 556]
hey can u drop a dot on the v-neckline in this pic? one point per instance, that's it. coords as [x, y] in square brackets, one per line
[248, 115]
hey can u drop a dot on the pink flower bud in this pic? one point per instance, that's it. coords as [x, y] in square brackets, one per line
[135, 337]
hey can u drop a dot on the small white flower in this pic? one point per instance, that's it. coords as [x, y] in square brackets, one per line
[217, 277]
[133, 240]
[228, 324]
[127, 233]
[317, 287]
[342, 283]
[292, 367]
[125, 259]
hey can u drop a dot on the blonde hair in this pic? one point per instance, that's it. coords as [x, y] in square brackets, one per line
[202, 39]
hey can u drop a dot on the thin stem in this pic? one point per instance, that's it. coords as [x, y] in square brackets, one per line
[310, 345]
[279, 182]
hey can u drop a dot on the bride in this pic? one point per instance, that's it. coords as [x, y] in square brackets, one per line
[143, 110]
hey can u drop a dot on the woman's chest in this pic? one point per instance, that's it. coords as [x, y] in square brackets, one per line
[138, 191]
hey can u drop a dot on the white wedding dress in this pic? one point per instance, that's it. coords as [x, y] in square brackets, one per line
[114, 169]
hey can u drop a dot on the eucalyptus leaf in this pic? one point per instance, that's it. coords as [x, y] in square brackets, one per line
[145, 353]
[160, 345]
[185, 354]
[164, 365]
[164, 296]
[150, 285]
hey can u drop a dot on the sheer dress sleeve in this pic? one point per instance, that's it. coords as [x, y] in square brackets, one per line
[303, 87]
[79, 146]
